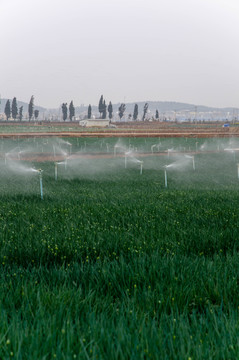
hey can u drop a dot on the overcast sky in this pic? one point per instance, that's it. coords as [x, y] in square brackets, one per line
[127, 50]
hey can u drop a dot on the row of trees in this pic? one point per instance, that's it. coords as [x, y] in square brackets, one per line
[121, 110]
[65, 111]
[11, 110]
[103, 108]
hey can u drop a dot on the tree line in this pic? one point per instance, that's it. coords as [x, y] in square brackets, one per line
[11, 110]
[104, 108]
[106, 111]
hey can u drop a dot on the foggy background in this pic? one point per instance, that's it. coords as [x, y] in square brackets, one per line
[129, 51]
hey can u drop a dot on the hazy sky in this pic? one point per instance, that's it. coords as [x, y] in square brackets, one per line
[127, 50]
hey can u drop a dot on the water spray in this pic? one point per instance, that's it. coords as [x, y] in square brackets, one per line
[193, 160]
[125, 160]
[196, 146]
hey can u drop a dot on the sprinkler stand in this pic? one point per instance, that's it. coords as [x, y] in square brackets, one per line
[141, 167]
[56, 171]
[165, 178]
[193, 163]
[41, 187]
[125, 161]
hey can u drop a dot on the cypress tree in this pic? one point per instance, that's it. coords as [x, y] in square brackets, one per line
[136, 112]
[64, 110]
[14, 108]
[104, 110]
[110, 110]
[7, 109]
[146, 105]
[71, 110]
[101, 105]
[20, 113]
[31, 107]
[157, 115]
[89, 111]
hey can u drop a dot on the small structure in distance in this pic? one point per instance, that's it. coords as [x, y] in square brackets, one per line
[95, 122]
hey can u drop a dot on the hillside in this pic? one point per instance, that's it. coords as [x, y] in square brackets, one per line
[161, 106]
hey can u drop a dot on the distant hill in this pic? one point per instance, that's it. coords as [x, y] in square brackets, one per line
[19, 104]
[161, 106]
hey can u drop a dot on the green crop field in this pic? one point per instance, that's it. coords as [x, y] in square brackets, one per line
[114, 264]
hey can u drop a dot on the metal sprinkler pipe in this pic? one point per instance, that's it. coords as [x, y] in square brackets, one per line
[125, 161]
[56, 171]
[141, 167]
[40, 171]
[194, 168]
[165, 177]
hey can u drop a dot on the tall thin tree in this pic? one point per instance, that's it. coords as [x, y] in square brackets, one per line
[101, 106]
[157, 115]
[136, 112]
[146, 106]
[7, 109]
[14, 108]
[104, 112]
[20, 113]
[110, 110]
[89, 112]
[71, 110]
[64, 111]
[31, 107]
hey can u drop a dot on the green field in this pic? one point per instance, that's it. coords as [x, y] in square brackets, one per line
[111, 264]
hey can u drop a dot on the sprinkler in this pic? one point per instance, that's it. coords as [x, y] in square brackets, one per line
[238, 171]
[40, 171]
[125, 161]
[193, 163]
[141, 167]
[196, 146]
[115, 149]
[165, 176]
[56, 171]
[193, 160]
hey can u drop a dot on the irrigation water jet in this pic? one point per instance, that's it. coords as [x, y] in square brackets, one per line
[193, 160]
